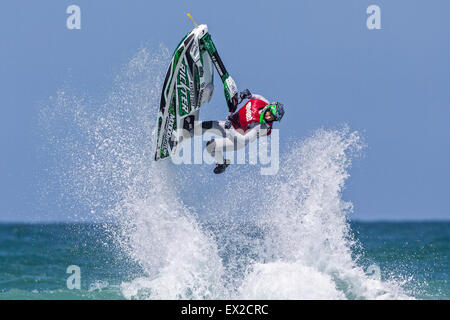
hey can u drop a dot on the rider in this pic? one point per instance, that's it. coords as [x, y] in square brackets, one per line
[254, 119]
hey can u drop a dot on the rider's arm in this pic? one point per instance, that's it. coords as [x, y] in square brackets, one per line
[260, 97]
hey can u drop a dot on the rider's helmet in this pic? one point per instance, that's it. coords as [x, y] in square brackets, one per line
[277, 110]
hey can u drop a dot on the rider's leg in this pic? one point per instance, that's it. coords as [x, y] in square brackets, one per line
[214, 127]
[217, 146]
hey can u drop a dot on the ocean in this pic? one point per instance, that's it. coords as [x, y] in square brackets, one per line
[34, 259]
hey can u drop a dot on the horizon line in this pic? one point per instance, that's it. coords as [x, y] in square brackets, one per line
[383, 220]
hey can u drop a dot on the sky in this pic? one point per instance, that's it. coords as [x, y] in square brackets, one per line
[318, 57]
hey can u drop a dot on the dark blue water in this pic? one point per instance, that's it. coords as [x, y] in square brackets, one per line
[34, 259]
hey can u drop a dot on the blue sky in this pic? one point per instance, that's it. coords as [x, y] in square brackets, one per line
[318, 57]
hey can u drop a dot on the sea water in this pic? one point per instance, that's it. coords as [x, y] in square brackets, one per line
[34, 260]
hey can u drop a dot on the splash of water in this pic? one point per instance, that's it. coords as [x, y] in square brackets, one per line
[302, 247]
[309, 243]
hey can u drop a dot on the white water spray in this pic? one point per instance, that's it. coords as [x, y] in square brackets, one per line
[308, 247]
[303, 249]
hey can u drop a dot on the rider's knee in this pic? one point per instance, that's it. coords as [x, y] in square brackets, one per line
[211, 146]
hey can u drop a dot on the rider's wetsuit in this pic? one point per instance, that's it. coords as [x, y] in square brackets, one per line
[243, 127]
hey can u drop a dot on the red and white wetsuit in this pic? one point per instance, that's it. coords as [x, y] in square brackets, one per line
[245, 127]
[249, 114]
